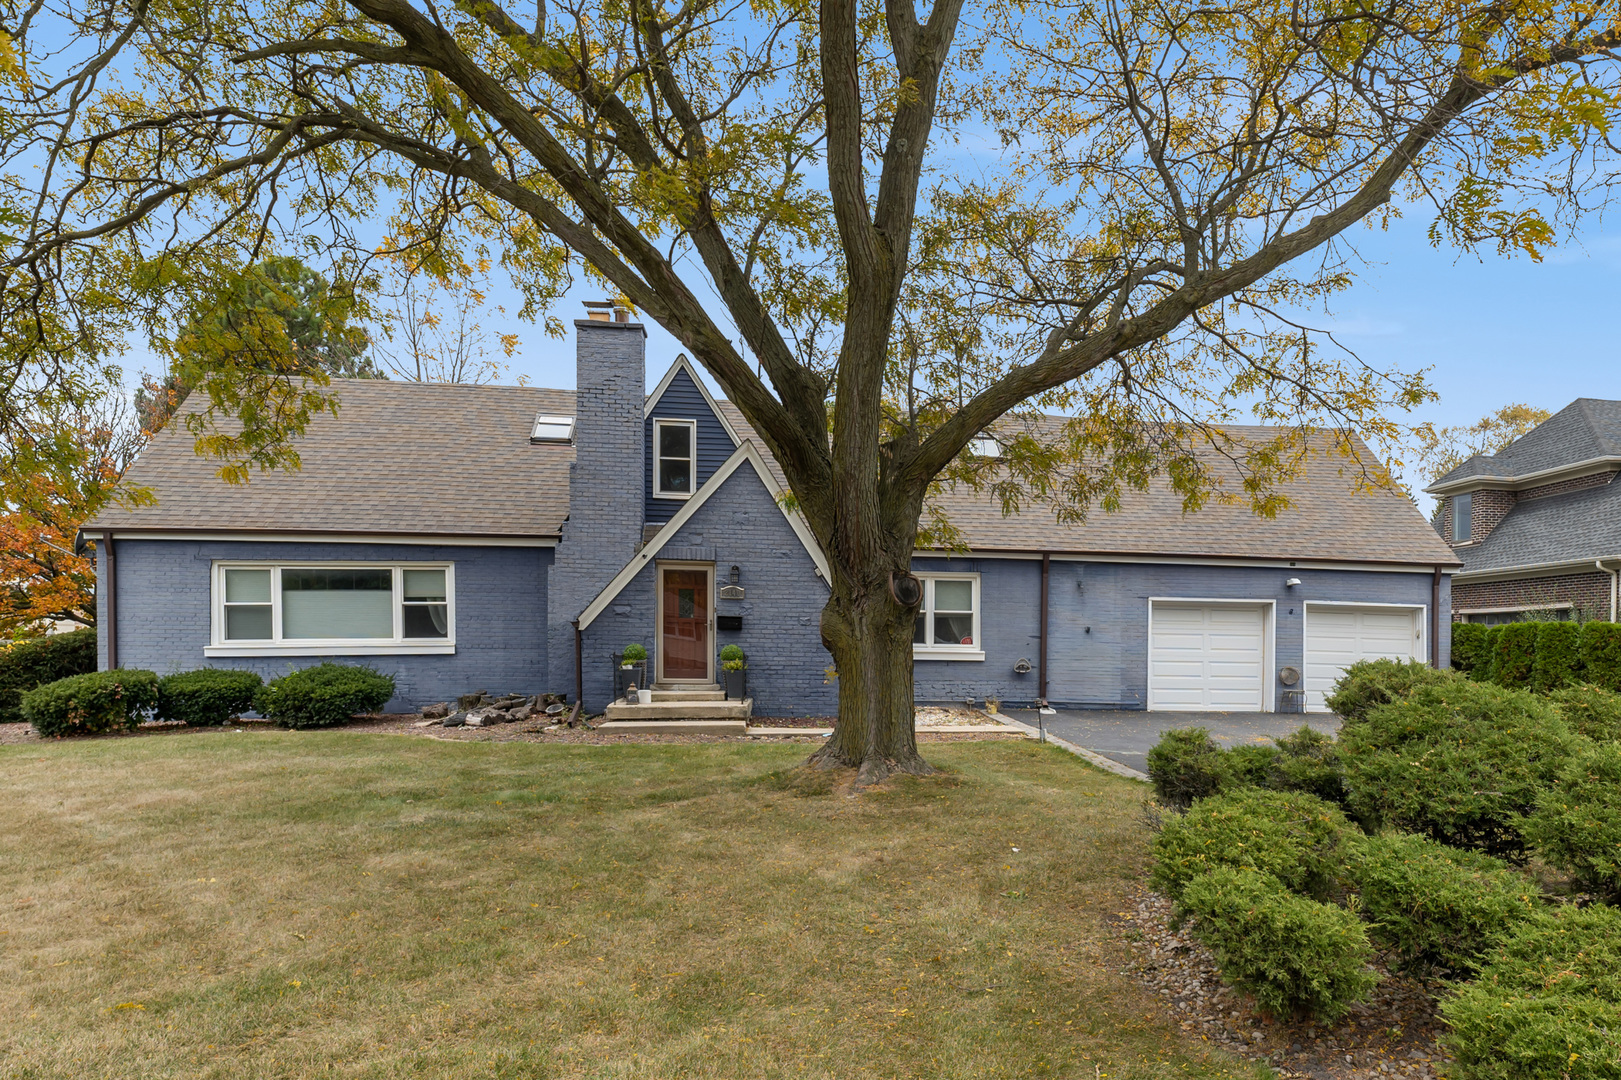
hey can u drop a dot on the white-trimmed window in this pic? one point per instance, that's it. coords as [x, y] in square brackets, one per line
[675, 458]
[1462, 512]
[948, 621]
[313, 609]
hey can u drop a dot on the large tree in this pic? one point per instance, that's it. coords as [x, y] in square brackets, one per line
[883, 230]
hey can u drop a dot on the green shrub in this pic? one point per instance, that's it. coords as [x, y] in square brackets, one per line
[1436, 906]
[209, 696]
[1293, 955]
[1514, 655]
[1309, 761]
[1601, 655]
[323, 696]
[1590, 711]
[1545, 1004]
[1294, 837]
[1558, 660]
[1367, 684]
[1459, 763]
[1577, 822]
[732, 658]
[28, 664]
[1185, 765]
[92, 704]
[1470, 642]
[633, 654]
[1250, 766]
[1488, 663]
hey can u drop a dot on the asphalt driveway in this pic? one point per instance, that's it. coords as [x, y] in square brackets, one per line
[1126, 737]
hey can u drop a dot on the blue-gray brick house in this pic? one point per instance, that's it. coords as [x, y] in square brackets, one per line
[517, 539]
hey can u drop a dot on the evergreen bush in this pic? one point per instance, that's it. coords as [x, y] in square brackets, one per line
[1295, 956]
[634, 653]
[1367, 684]
[1590, 711]
[28, 664]
[1460, 763]
[1577, 822]
[1251, 765]
[1514, 654]
[1558, 660]
[1601, 655]
[206, 697]
[1294, 837]
[1470, 645]
[1309, 761]
[92, 704]
[1436, 906]
[1545, 1004]
[1185, 765]
[323, 696]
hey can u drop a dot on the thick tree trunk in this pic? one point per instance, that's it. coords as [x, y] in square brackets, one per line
[870, 637]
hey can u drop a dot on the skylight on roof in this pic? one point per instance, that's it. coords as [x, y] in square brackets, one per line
[558, 429]
[984, 446]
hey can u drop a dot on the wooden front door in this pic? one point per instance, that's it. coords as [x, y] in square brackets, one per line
[684, 652]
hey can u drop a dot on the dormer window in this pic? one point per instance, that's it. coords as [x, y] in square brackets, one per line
[1462, 505]
[675, 445]
[984, 447]
[552, 429]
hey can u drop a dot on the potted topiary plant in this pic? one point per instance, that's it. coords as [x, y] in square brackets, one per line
[630, 669]
[734, 669]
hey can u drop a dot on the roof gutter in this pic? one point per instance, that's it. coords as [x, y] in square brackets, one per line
[1615, 584]
[1524, 480]
[1497, 573]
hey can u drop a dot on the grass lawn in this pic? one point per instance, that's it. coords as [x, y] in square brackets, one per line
[330, 904]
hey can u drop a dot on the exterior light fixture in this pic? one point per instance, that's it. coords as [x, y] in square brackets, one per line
[1291, 583]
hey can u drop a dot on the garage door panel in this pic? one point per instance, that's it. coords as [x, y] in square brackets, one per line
[1206, 656]
[1337, 637]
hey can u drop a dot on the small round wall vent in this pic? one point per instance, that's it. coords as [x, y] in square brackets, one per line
[1288, 676]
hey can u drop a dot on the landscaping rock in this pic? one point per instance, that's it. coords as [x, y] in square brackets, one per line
[456, 719]
[523, 712]
[509, 701]
[471, 701]
[437, 712]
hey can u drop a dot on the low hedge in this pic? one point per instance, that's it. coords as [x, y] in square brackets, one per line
[1460, 763]
[1293, 837]
[1184, 766]
[92, 704]
[207, 697]
[1601, 655]
[1577, 823]
[1436, 907]
[323, 696]
[1558, 659]
[1471, 644]
[1590, 711]
[1293, 955]
[28, 664]
[1514, 655]
[1309, 761]
[1367, 684]
[1545, 1003]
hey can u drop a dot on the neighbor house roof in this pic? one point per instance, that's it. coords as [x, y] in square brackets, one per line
[1585, 432]
[1574, 527]
[399, 458]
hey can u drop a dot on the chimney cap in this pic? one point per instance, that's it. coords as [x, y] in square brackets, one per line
[599, 310]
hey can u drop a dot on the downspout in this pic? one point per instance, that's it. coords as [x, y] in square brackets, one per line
[1041, 683]
[1435, 620]
[579, 667]
[1615, 585]
[110, 631]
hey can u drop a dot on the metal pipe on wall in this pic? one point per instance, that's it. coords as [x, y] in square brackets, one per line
[579, 667]
[1615, 585]
[110, 583]
[1435, 620]
[1041, 681]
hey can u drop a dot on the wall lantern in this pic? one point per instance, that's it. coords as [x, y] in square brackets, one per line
[1291, 583]
[732, 590]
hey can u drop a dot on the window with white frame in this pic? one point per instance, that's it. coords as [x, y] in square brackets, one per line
[333, 607]
[948, 620]
[675, 453]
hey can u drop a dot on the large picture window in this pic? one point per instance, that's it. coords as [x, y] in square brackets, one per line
[332, 608]
[675, 458]
[948, 621]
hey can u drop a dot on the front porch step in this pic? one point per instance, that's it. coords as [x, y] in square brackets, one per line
[701, 693]
[710, 709]
[675, 727]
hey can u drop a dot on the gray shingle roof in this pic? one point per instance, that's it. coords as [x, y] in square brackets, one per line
[1587, 428]
[399, 457]
[1575, 526]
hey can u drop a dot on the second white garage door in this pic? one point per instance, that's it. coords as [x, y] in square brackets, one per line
[1337, 637]
[1206, 656]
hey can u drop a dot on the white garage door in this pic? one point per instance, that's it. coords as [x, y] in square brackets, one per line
[1206, 656]
[1337, 637]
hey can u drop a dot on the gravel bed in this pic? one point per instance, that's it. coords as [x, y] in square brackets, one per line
[1392, 1034]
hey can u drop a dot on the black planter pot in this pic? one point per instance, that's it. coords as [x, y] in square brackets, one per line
[737, 684]
[624, 676]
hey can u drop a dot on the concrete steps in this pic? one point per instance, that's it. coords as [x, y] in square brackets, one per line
[682, 709]
[688, 693]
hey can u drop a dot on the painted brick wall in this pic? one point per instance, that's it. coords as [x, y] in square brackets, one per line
[1107, 665]
[164, 614]
[1590, 593]
[1009, 629]
[682, 400]
[606, 481]
[739, 525]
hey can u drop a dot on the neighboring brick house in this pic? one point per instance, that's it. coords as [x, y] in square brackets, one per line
[483, 537]
[1538, 524]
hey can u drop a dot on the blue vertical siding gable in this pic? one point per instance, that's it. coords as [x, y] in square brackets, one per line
[682, 400]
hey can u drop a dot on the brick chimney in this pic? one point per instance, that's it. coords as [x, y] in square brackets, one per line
[604, 525]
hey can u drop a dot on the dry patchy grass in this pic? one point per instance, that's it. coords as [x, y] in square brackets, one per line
[310, 905]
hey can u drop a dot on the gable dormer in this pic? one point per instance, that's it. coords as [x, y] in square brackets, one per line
[685, 437]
